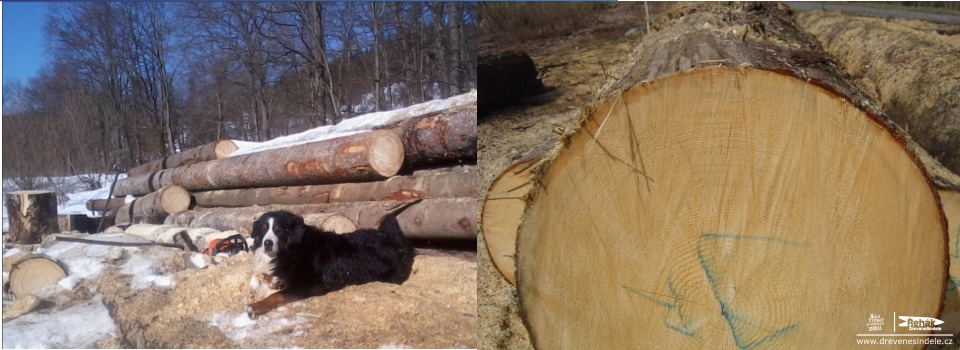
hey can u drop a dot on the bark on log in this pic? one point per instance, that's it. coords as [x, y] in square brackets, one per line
[731, 164]
[914, 75]
[241, 219]
[32, 215]
[505, 77]
[34, 272]
[362, 157]
[951, 307]
[214, 150]
[448, 183]
[154, 207]
[441, 218]
[444, 137]
[105, 204]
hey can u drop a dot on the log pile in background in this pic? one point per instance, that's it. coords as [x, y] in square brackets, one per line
[727, 190]
[338, 184]
[913, 74]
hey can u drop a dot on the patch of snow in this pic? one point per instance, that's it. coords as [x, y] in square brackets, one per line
[394, 346]
[238, 327]
[150, 281]
[356, 125]
[11, 252]
[199, 261]
[80, 326]
[144, 274]
[70, 282]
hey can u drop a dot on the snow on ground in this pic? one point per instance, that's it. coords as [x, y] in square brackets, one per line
[77, 203]
[80, 326]
[356, 125]
[238, 326]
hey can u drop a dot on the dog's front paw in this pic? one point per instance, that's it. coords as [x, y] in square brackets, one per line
[256, 309]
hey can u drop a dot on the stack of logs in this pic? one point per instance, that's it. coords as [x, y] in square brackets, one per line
[340, 184]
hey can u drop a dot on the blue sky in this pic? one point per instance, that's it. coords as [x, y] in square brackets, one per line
[23, 48]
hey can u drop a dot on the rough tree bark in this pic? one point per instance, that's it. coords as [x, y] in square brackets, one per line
[210, 151]
[455, 182]
[443, 137]
[442, 218]
[367, 156]
[154, 207]
[32, 215]
[728, 190]
[912, 74]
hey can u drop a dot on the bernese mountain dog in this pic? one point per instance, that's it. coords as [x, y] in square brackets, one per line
[300, 261]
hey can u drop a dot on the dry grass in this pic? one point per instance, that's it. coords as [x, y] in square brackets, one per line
[515, 22]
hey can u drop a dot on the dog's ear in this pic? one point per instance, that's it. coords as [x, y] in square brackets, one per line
[297, 229]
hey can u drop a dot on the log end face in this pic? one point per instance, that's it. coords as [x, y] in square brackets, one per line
[386, 154]
[174, 199]
[225, 148]
[337, 223]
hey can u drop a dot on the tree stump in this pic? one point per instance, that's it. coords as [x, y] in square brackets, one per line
[732, 189]
[32, 214]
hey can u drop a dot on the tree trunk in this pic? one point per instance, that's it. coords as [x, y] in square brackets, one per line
[105, 204]
[32, 215]
[442, 218]
[456, 182]
[241, 219]
[438, 138]
[951, 306]
[210, 151]
[505, 77]
[729, 165]
[154, 207]
[361, 157]
[911, 73]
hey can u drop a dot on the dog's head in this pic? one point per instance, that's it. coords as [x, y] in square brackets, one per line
[277, 231]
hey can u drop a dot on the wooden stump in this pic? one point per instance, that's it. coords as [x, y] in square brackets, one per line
[731, 190]
[34, 272]
[32, 215]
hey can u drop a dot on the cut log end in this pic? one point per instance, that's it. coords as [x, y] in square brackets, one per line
[335, 223]
[32, 273]
[174, 199]
[752, 201]
[386, 154]
[224, 148]
[502, 209]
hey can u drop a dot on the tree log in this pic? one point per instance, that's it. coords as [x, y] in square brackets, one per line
[455, 182]
[241, 219]
[912, 74]
[33, 272]
[951, 307]
[214, 150]
[438, 138]
[503, 208]
[32, 215]
[105, 204]
[154, 207]
[505, 77]
[361, 157]
[728, 190]
[441, 218]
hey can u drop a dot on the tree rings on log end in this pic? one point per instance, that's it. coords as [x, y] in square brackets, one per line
[951, 306]
[728, 208]
[174, 199]
[34, 272]
[224, 148]
[386, 154]
[502, 210]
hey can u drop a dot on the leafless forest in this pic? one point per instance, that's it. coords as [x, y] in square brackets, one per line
[130, 82]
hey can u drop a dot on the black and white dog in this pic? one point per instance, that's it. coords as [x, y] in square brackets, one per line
[301, 261]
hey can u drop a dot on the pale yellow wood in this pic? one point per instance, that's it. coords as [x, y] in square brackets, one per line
[727, 208]
[502, 210]
[32, 273]
[951, 307]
